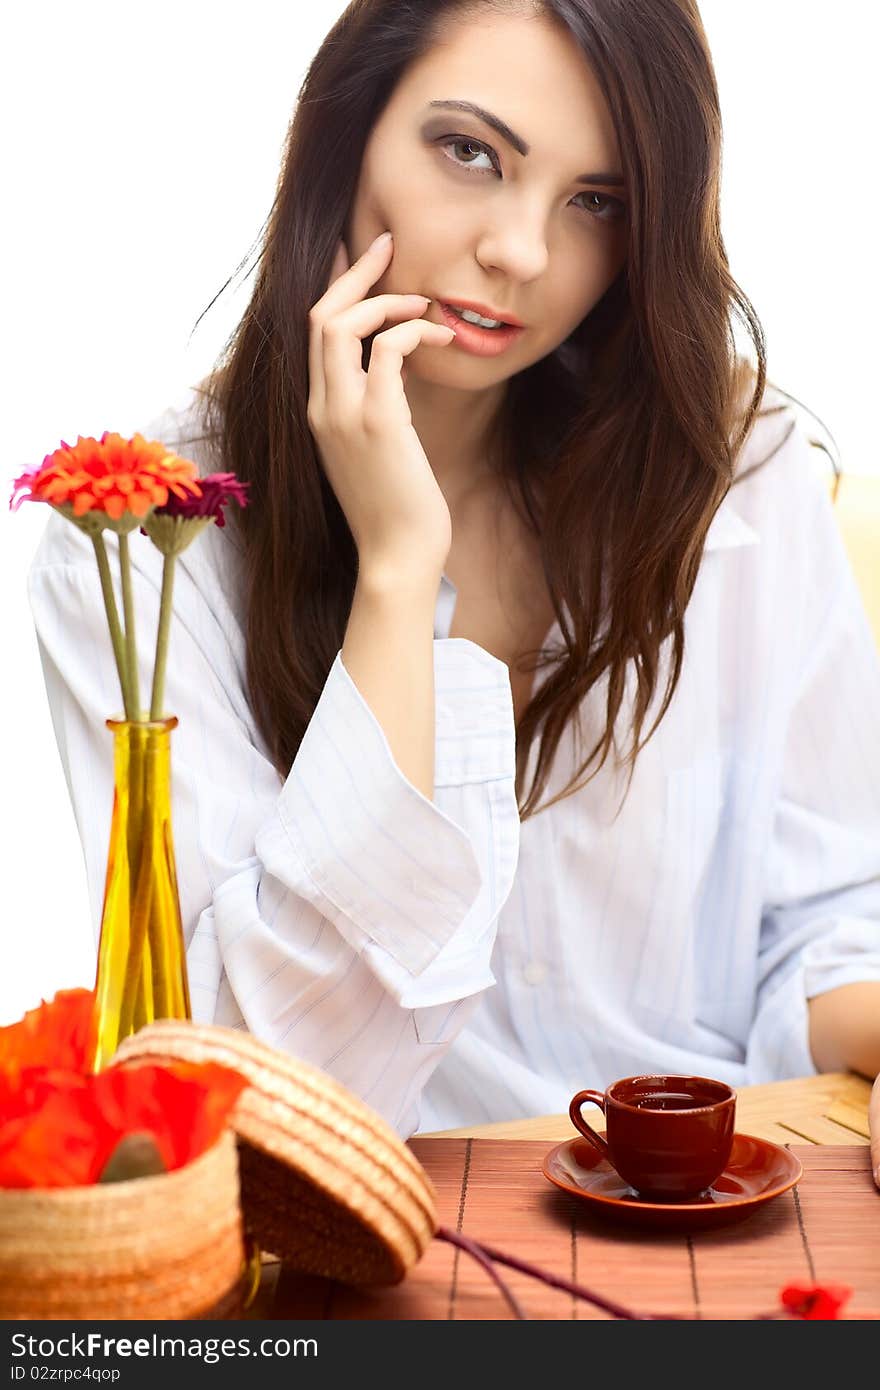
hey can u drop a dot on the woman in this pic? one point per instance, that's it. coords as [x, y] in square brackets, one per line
[464, 879]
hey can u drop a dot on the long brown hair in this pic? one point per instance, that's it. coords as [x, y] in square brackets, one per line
[617, 448]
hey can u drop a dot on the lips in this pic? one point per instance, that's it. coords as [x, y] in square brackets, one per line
[485, 310]
[481, 342]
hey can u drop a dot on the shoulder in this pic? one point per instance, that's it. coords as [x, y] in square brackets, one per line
[784, 575]
[783, 446]
[781, 491]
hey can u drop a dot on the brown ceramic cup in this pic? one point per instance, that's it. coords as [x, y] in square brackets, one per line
[669, 1137]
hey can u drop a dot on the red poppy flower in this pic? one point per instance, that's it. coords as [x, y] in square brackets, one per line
[57, 1034]
[59, 1129]
[59, 1123]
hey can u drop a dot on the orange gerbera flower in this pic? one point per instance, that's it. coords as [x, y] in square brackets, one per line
[111, 475]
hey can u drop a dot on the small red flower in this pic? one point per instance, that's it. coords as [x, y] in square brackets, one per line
[812, 1301]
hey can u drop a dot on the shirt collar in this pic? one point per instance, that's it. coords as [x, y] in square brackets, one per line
[727, 529]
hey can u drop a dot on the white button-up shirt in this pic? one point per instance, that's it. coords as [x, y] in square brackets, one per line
[445, 962]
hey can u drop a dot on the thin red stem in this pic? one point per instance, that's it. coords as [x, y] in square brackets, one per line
[474, 1249]
[616, 1310]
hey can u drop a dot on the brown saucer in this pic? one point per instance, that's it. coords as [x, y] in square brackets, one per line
[756, 1172]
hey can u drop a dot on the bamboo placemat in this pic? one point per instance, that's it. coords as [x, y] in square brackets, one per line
[826, 1230]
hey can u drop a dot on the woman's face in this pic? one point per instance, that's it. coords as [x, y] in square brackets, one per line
[521, 230]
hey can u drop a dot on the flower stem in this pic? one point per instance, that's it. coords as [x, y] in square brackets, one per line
[141, 909]
[165, 610]
[128, 612]
[113, 621]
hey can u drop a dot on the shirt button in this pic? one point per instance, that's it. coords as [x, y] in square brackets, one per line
[534, 972]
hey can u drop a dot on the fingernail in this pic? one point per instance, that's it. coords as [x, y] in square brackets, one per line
[381, 240]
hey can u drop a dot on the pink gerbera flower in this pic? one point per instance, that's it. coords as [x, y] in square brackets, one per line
[217, 491]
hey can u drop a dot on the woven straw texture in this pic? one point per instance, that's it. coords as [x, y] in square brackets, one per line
[326, 1184]
[159, 1247]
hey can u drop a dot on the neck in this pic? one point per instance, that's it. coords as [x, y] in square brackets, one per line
[454, 428]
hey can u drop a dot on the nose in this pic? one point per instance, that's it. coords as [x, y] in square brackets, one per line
[514, 243]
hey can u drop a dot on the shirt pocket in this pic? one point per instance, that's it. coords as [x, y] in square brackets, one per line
[666, 985]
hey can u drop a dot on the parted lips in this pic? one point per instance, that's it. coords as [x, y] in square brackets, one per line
[326, 1184]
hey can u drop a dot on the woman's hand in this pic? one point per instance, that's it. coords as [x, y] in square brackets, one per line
[874, 1127]
[361, 421]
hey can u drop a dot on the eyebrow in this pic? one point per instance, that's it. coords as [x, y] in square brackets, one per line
[518, 143]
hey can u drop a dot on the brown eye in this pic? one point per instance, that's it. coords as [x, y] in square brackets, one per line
[471, 146]
[611, 209]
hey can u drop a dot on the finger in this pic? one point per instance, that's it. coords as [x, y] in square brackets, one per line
[316, 366]
[340, 264]
[384, 391]
[342, 346]
[352, 284]
[344, 289]
[874, 1128]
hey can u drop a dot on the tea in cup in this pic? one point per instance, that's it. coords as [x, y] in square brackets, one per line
[669, 1137]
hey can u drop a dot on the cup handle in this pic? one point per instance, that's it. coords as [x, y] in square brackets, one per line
[577, 1119]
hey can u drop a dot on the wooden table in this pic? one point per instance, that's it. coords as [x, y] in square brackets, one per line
[829, 1109]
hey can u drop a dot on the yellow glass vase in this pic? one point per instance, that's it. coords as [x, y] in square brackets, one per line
[141, 956]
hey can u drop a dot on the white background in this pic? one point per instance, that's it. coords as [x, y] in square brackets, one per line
[141, 150]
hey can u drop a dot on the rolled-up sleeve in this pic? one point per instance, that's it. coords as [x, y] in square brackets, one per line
[398, 874]
[821, 923]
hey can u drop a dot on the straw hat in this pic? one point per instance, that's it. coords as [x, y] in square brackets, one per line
[326, 1184]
